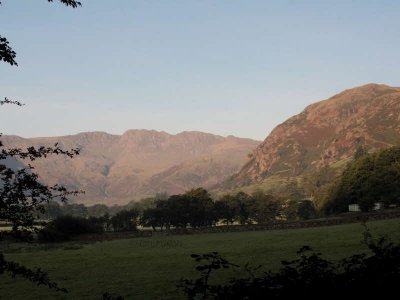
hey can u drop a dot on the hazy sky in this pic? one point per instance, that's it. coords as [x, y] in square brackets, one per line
[236, 67]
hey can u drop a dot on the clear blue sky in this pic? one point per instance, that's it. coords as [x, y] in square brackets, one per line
[224, 66]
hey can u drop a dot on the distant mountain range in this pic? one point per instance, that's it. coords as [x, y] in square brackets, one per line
[140, 163]
[325, 133]
[114, 169]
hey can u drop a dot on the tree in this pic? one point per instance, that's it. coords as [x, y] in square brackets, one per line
[52, 210]
[200, 209]
[231, 208]
[177, 210]
[369, 179]
[97, 210]
[289, 209]
[316, 181]
[265, 208]
[242, 203]
[306, 210]
[125, 220]
[291, 190]
[22, 195]
[223, 210]
[76, 210]
[65, 227]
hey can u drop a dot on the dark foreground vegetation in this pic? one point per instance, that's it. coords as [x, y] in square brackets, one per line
[310, 275]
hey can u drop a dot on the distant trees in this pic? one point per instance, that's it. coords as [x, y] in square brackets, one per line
[244, 208]
[224, 209]
[370, 178]
[154, 217]
[315, 183]
[265, 207]
[125, 220]
[97, 210]
[196, 208]
[65, 227]
[306, 210]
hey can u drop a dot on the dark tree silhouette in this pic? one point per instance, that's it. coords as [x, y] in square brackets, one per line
[7, 54]
[22, 195]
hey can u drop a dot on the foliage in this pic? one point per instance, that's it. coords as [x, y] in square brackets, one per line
[224, 210]
[368, 179]
[196, 208]
[265, 207]
[315, 182]
[65, 227]
[291, 190]
[74, 209]
[125, 220]
[22, 195]
[299, 210]
[36, 276]
[154, 217]
[306, 210]
[97, 210]
[308, 276]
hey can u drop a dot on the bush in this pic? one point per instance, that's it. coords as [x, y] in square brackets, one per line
[310, 276]
[65, 227]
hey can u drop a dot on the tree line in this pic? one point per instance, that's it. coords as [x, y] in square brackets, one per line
[195, 208]
[367, 179]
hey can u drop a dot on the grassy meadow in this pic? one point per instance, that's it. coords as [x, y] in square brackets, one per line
[149, 268]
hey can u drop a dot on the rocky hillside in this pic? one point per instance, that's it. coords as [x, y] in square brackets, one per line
[326, 132]
[139, 163]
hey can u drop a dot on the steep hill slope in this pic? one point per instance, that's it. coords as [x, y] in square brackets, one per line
[139, 163]
[325, 133]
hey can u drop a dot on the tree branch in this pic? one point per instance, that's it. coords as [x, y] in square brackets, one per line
[8, 101]
[36, 276]
[7, 54]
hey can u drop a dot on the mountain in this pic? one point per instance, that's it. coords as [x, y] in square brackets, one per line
[114, 169]
[325, 133]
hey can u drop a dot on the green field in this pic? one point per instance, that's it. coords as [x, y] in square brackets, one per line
[149, 268]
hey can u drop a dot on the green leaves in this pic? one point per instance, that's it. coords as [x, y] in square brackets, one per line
[367, 180]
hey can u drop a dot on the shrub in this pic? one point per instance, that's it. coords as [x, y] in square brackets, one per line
[65, 227]
[309, 276]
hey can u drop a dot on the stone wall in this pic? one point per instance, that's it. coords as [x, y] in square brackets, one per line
[342, 219]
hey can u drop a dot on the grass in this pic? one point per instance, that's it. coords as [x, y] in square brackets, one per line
[271, 183]
[149, 268]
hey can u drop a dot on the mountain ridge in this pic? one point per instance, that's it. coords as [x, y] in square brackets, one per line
[119, 168]
[325, 133]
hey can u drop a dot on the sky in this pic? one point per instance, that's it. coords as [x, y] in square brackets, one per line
[228, 67]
